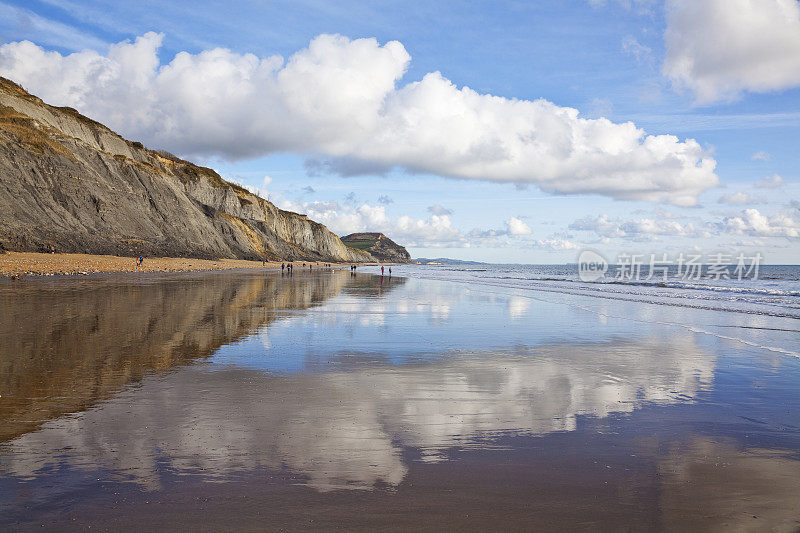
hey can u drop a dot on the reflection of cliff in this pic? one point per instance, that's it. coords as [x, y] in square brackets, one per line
[65, 346]
[348, 428]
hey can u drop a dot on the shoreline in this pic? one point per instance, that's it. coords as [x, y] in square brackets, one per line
[17, 265]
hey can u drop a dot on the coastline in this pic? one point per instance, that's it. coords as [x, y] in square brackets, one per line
[21, 264]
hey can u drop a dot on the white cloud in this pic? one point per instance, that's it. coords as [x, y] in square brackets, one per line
[753, 222]
[761, 156]
[556, 245]
[435, 231]
[738, 198]
[636, 229]
[341, 99]
[642, 53]
[259, 190]
[721, 48]
[771, 182]
[517, 227]
[601, 225]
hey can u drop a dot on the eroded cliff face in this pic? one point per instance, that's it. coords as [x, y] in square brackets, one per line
[69, 184]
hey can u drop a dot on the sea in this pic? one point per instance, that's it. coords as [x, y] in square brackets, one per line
[773, 291]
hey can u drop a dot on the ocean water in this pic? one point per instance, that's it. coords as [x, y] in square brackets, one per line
[774, 292]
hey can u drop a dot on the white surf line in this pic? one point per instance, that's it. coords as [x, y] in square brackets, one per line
[633, 298]
[694, 329]
[691, 328]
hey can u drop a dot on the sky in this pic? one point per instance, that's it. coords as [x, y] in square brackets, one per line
[502, 131]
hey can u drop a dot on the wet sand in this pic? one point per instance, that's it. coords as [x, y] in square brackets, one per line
[19, 264]
[253, 401]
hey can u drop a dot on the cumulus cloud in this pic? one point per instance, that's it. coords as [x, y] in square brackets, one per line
[753, 222]
[761, 156]
[434, 232]
[636, 229]
[308, 189]
[385, 200]
[517, 227]
[771, 182]
[342, 99]
[721, 48]
[738, 198]
[437, 209]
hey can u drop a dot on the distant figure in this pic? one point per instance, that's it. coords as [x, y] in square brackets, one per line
[390, 272]
[140, 260]
[381, 270]
[283, 265]
[310, 266]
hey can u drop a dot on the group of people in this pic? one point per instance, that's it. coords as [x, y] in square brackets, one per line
[289, 267]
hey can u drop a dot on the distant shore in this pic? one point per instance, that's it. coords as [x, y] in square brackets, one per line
[20, 264]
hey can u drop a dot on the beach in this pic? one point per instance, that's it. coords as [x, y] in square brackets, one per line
[16, 264]
[428, 400]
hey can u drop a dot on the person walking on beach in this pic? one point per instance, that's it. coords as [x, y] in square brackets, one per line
[381, 270]
[140, 261]
[390, 272]
[283, 265]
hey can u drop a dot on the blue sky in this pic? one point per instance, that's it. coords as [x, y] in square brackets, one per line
[738, 98]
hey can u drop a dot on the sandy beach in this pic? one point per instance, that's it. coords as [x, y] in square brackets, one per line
[20, 264]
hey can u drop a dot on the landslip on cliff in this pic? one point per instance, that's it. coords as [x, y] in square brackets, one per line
[70, 184]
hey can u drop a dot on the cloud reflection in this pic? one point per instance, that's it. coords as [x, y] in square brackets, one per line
[348, 428]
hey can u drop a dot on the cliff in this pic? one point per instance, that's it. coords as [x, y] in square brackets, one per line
[70, 184]
[379, 246]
